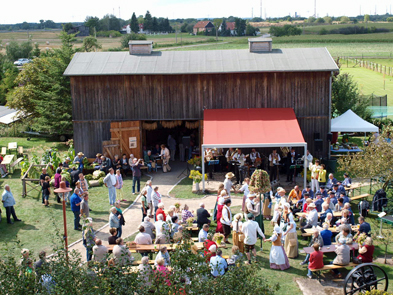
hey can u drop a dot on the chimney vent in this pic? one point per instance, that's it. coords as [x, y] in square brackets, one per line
[260, 44]
[140, 47]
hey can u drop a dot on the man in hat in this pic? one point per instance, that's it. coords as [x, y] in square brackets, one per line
[347, 181]
[66, 164]
[323, 191]
[312, 218]
[228, 185]
[250, 230]
[79, 160]
[251, 206]
[308, 191]
[318, 202]
[333, 198]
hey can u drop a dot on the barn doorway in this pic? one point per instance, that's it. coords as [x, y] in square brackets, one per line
[185, 137]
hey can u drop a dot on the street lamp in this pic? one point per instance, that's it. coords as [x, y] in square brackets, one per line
[62, 190]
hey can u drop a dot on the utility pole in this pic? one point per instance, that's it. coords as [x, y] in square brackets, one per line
[252, 12]
[315, 8]
[261, 10]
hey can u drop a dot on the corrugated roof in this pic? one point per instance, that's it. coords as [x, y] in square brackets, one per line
[201, 62]
[260, 39]
[8, 115]
[142, 42]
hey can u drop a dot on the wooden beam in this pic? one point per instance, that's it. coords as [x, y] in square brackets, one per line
[124, 129]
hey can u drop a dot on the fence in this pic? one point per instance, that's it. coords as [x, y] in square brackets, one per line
[376, 67]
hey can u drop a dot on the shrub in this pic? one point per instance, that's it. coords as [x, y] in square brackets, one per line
[323, 31]
[128, 37]
[286, 30]
[108, 34]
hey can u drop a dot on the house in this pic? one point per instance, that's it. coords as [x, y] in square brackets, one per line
[203, 26]
[131, 99]
[231, 26]
[126, 29]
[80, 31]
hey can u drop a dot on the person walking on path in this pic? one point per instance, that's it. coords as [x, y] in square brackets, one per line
[8, 203]
[76, 201]
[136, 175]
[110, 182]
[119, 186]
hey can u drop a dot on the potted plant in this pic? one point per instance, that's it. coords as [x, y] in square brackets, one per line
[218, 238]
[196, 176]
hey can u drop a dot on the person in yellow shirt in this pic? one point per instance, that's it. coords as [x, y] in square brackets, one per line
[294, 195]
[322, 175]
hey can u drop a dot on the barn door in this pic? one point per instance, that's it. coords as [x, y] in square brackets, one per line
[111, 148]
[129, 135]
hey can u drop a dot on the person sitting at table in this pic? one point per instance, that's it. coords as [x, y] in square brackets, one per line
[306, 203]
[325, 211]
[345, 198]
[345, 235]
[149, 160]
[125, 167]
[236, 256]
[116, 163]
[326, 235]
[163, 238]
[160, 225]
[312, 218]
[340, 205]
[143, 238]
[364, 226]
[175, 224]
[308, 191]
[121, 253]
[343, 256]
[315, 239]
[323, 192]
[318, 202]
[98, 161]
[105, 165]
[149, 227]
[112, 239]
[202, 216]
[344, 215]
[366, 252]
[347, 181]
[339, 188]
[294, 195]
[186, 213]
[329, 219]
[145, 271]
[330, 203]
[333, 198]
[162, 270]
[202, 236]
[330, 181]
[347, 206]
[178, 236]
[218, 264]
[207, 244]
[163, 254]
[316, 260]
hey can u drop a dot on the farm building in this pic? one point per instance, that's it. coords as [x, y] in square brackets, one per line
[131, 100]
[203, 26]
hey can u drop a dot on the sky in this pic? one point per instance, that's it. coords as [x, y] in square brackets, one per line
[77, 10]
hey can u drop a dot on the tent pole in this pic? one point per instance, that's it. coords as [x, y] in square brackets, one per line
[305, 166]
[203, 169]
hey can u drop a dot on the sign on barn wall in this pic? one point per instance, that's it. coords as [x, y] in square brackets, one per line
[132, 142]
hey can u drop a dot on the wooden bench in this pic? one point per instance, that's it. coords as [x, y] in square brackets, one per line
[3, 150]
[20, 150]
[12, 166]
[363, 196]
[318, 271]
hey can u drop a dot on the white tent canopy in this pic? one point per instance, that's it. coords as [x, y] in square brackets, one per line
[350, 122]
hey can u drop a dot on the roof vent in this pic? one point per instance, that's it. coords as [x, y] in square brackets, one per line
[260, 44]
[140, 47]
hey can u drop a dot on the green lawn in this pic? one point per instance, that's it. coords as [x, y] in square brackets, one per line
[317, 28]
[371, 82]
[38, 229]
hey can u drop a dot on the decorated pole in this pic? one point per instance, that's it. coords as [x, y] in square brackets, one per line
[62, 190]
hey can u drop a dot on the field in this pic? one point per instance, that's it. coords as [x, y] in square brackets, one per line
[383, 61]
[315, 29]
[40, 225]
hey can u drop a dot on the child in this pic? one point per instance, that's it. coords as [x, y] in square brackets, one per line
[236, 256]
[316, 260]
[46, 190]
[119, 186]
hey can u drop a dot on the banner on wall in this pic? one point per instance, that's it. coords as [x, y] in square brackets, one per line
[132, 142]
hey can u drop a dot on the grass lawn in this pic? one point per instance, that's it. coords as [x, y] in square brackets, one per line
[382, 61]
[34, 142]
[371, 82]
[38, 229]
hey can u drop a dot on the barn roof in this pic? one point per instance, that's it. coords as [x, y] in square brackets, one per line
[201, 62]
[231, 25]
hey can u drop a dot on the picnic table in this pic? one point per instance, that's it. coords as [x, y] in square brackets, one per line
[353, 187]
[331, 248]
[153, 247]
[335, 214]
[12, 146]
[332, 229]
[7, 160]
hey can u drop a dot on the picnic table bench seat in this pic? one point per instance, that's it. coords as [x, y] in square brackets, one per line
[12, 166]
[3, 150]
[363, 196]
[20, 150]
[335, 266]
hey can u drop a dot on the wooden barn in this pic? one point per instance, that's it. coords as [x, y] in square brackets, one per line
[126, 100]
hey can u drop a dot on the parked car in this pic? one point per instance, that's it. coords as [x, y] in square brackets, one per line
[22, 61]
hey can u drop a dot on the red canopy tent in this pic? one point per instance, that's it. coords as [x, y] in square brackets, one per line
[251, 128]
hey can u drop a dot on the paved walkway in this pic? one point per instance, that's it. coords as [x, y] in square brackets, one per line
[133, 215]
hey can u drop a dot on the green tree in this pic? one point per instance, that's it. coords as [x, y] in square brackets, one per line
[240, 26]
[155, 25]
[217, 23]
[224, 31]
[90, 44]
[148, 22]
[311, 20]
[14, 50]
[25, 26]
[328, 19]
[345, 96]
[366, 18]
[93, 23]
[42, 26]
[183, 28]
[36, 51]
[68, 27]
[134, 26]
[128, 37]
[8, 74]
[49, 24]
[250, 30]
[389, 19]
[320, 20]
[344, 19]
[44, 92]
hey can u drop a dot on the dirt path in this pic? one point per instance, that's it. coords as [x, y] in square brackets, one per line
[133, 214]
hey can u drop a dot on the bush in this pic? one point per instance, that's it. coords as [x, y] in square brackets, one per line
[286, 30]
[323, 32]
[108, 34]
[128, 37]
[390, 19]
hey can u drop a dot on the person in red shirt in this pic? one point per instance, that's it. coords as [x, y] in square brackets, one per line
[316, 260]
[160, 210]
[207, 244]
[365, 252]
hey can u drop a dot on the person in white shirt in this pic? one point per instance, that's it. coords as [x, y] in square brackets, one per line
[121, 253]
[143, 238]
[149, 197]
[166, 156]
[110, 182]
[254, 155]
[245, 191]
[274, 160]
[160, 225]
[239, 170]
[99, 251]
[308, 159]
[163, 254]
[226, 219]
[252, 206]
[312, 218]
[250, 230]
[202, 236]
[228, 185]
[314, 175]
[149, 227]
[156, 198]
